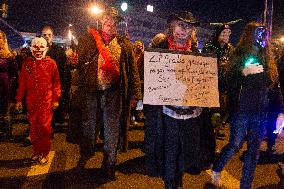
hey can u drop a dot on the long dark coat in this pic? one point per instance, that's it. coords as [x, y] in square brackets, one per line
[87, 81]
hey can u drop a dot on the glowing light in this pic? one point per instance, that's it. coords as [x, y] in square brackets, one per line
[251, 60]
[96, 10]
[150, 8]
[123, 7]
[279, 130]
[282, 39]
[69, 35]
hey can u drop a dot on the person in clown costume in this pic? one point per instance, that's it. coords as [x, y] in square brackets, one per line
[39, 79]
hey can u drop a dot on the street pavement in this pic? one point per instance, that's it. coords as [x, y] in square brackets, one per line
[17, 171]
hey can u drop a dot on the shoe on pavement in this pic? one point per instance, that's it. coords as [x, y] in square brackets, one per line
[193, 170]
[216, 179]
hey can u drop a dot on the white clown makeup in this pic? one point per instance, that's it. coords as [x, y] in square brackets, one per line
[39, 48]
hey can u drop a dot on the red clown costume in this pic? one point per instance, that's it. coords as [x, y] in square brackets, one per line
[39, 79]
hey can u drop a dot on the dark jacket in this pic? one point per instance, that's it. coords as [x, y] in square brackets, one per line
[222, 55]
[129, 85]
[88, 67]
[57, 53]
[263, 95]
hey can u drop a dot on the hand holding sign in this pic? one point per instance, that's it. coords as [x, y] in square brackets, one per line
[252, 69]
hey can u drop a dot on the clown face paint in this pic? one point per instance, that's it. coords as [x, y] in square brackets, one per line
[39, 47]
[224, 36]
[261, 36]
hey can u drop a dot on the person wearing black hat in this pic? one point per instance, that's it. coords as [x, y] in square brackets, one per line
[108, 81]
[222, 48]
[172, 133]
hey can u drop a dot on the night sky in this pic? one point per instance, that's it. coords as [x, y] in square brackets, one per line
[31, 15]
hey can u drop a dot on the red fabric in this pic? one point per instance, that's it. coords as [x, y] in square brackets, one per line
[39, 79]
[107, 38]
[174, 46]
[110, 64]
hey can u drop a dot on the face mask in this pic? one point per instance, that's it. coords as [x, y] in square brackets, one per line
[261, 36]
[39, 48]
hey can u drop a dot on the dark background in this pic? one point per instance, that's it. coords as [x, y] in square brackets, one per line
[31, 15]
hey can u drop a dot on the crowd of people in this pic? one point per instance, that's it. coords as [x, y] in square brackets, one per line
[98, 84]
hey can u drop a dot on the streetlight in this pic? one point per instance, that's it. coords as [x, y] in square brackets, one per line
[123, 7]
[69, 32]
[150, 8]
[96, 10]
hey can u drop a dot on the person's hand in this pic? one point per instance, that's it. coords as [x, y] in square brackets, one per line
[55, 105]
[18, 106]
[133, 103]
[252, 69]
[279, 124]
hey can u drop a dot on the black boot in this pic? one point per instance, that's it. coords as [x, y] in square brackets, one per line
[170, 184]
[108, 168]
[178, 181]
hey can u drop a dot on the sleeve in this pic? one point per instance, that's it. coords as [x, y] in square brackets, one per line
[22, 84]
[82, 55]
[56, 88]
[135, 82]
[275, 99]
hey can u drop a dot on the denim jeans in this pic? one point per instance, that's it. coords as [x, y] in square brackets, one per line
[252, 126]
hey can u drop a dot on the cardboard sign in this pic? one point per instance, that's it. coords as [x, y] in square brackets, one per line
[180, 79]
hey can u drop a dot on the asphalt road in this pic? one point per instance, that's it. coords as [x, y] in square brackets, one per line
[16, 170]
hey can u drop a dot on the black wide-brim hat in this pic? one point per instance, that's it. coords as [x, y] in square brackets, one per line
[14, 38]
[184, 16]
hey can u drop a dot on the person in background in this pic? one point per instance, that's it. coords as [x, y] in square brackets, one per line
[57, 53]
[8, 74]
[136, 112]
[222, 48]
[39, 79]
[253, 83]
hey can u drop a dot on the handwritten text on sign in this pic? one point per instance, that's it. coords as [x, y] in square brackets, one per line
[183, 80]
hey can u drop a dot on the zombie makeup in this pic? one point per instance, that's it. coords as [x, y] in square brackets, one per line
[109, 25]
[182, 30]
[48, 35]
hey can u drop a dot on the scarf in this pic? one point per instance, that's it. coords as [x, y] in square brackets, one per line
[110, 65]
[174, 46]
